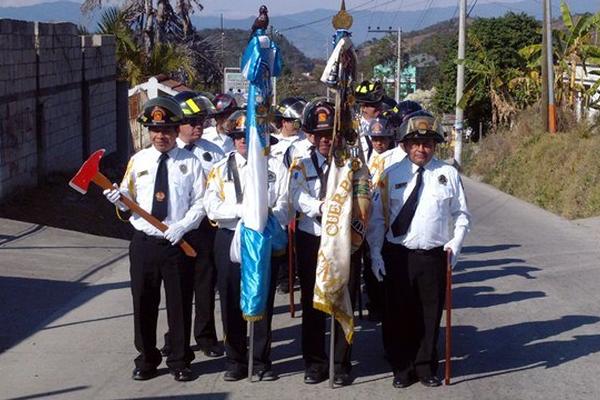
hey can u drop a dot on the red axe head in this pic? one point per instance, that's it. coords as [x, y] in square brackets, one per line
[87, 172]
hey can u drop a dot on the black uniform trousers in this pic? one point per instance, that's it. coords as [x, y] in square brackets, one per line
[234, 325]
[314, 321]
[154, 261]
[205, 281]
[415, 287]
[373, 288]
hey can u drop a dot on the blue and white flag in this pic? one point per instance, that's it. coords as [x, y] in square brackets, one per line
[260, 62]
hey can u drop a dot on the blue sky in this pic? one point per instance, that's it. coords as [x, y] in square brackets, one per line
[244, 8]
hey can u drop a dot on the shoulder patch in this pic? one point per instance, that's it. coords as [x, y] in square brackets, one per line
[207, 156]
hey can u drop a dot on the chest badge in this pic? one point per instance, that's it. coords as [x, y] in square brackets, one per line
[160, 196]
[183, 169]
[206, 156]
[442, 179]
[271, 177]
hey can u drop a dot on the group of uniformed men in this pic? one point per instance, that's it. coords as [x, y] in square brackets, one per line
[192, 178]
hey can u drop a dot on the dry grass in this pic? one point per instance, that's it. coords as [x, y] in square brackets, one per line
[560, 173]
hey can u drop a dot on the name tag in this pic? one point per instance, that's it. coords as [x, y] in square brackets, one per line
[400, 185]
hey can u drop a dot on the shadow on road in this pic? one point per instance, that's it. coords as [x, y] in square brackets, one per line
[45, 395]
[519, 347]
[30, 304]
[473, 297]
[206, 396]
[489, 249]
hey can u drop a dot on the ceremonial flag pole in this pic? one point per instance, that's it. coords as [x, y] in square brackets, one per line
[258, 229]
[347, 201]
[447, 366]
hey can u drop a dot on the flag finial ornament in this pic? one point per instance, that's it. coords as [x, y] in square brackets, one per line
[342, 20]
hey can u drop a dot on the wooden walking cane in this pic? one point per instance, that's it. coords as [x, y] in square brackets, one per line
[448, 317]
[90, 172]
[291, 265]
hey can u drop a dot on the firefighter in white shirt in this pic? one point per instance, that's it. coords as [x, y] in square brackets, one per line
[167, 182]
[308, 190]
[413, 206]
[369, 96]
[223, 202]
[381, 136]
[225, 105]
[290, 112]
[196, 110]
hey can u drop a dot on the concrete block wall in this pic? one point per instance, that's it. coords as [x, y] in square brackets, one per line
[60, 59]
[57, 100]
[18, 145]
[100, 61]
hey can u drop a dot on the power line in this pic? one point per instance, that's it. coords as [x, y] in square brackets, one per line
[423, 15]
[397, 12]
[329, 17]
[471, 9]
[321, 19]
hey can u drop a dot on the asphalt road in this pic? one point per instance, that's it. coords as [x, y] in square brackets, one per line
[526, 319]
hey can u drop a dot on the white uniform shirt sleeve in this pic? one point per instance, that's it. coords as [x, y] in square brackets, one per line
[302, 199]
[376, 228]
[459, 211]
[196, 213]
[281, 206]
[219, 201]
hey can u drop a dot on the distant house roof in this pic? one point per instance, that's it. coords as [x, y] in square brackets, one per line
[159, 85]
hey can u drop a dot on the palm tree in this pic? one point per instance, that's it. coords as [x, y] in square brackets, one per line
[572, 47]
[484, 71]
[160, 39]
[134, 63]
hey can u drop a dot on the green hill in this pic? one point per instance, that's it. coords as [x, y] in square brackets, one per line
[230, 43]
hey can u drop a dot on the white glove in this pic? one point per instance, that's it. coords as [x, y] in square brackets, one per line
[114, 196]
[174, 233]
[454, 246]
[378, 267]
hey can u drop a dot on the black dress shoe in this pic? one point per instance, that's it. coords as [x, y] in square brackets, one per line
[401, 382]
[266, 375]
[139, 374]
[312, 377]
[431, 381]
[342, 379]
[182, 375]
[212, 351]
[234, 375]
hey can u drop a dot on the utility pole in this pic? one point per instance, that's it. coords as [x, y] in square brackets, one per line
[222, 43]
[398, 61]
[326, 60]
[550, 62]
[398, 32]
[544, 68]
[460, 79]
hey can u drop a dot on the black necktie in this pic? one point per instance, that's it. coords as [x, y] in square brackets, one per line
[189, 146]
[160, 203]
[406, 214]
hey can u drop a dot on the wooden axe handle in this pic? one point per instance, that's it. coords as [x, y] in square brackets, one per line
[102, 181]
